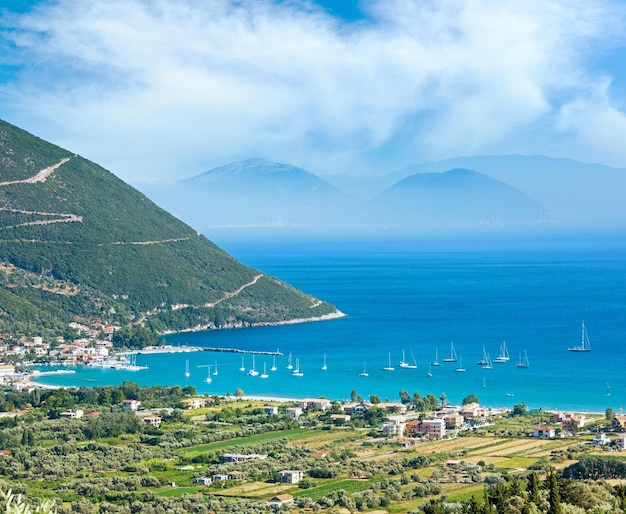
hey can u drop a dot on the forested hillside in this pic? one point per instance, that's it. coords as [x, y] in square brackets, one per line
[78, 243]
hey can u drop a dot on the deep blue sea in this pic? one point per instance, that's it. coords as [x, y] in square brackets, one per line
[418, 297]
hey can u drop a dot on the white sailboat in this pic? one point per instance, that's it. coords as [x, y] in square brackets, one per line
[523, 361]
[208, 378]
[297, 372]
[243, 366]
[364, 373]
[253, 372]
[389, 367]
[187, 368]
[585, 345]
[430, 371]
[324, 367]
[414, 365]
[289, 365]
[486, 361]
[504, 354]
[483, 361]
[436, 361]
[215, 370]
[405, 364]
[453, 356]
[274, 368]
[460, 368]
[264, 374]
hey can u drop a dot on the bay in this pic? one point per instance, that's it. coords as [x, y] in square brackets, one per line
[418, 297]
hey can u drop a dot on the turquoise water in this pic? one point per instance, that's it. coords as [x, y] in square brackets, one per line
[419, 297]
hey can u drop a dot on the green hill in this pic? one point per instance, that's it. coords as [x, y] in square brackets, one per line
[77, 243]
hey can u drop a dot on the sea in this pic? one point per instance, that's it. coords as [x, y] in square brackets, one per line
[417, 298]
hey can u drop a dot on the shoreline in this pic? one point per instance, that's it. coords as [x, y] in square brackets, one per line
[240, 324]
[154, 350]
[284, 399]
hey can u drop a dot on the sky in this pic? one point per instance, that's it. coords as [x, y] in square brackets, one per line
[159, 90]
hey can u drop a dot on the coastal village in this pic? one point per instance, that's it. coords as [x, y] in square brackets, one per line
[311, 454]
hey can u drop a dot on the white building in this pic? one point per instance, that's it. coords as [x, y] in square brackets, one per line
[290, 476]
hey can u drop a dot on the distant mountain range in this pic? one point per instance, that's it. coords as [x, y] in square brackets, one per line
[77, 243]
[259, 193]
[458, 196]
[574, 193]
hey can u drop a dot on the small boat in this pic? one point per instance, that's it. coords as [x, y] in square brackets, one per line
[504, 354]
[460, 368]
[523, 361]
[389, 367]
[289, 365]
[510, 394]
[608, 389]
[436, 361]
[403, 363]
[430, 371]
[264, 374]
[414, 365]
[483, 361]
[453, 357]
[585, 345]
[274, 368]
[243, 366]
[324, 367]
[187, 368]
[487, 364]
[215, 370]
[364, 373]
[297, 372]
[253, 372]
[208, 378]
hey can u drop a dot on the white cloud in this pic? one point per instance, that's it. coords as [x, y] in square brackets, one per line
[162, 88]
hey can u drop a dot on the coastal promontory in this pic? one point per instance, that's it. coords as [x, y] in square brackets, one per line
[79, 244]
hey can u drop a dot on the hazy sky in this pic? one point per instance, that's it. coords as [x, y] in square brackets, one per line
[171, 88]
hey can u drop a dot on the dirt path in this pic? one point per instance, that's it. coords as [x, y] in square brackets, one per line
[40, 177]
[228, 295]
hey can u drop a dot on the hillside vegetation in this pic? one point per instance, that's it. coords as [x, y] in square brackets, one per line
[78, 243]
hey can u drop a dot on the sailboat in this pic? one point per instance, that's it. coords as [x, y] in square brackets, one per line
[274, 368]
[289, 365]
[483, 361]
[208, 378]
[364, 373]
[403, 363]
[487, 361]
[243, 366]
[389, 367]
[324, 367]
[504, 354]
[215, 370]
[296, 372]
[452, 357]
[436, 361]
[430, 371]
[523, 361]
[187, 368]
[460, 368]
[264, 375]
[253, 372]
[585, 345]
[608, 389]
[407, 365]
